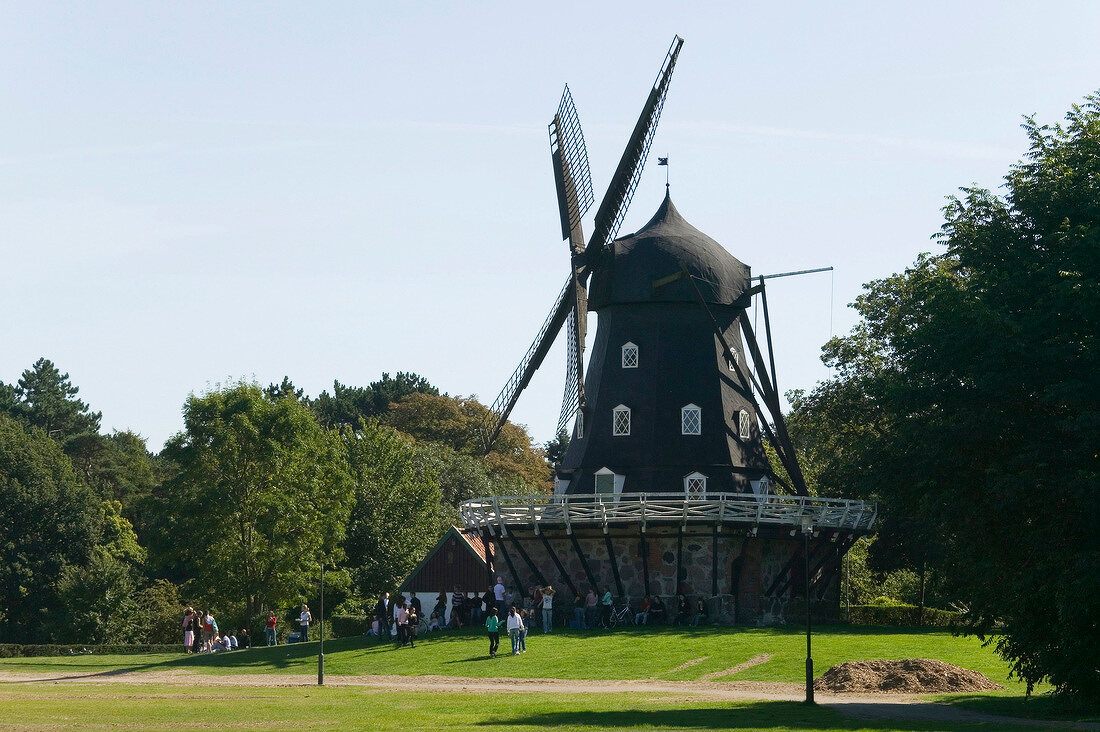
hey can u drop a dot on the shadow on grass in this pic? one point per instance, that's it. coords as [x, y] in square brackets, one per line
[749, 715]
[1038, 706]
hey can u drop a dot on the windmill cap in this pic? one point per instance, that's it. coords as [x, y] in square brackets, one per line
[647, 266]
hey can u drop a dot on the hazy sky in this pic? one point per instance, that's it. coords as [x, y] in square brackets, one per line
[193, 193]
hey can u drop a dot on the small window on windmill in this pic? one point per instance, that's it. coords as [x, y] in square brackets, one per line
[630, 356]
[691, 420]
[579, 431]
[605, 482]
[695, 485]
[450, 557]
[620, 421]
[731, 363]
[744, 424]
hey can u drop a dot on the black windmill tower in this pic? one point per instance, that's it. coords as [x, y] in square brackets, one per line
[666, 486]
[668, 403]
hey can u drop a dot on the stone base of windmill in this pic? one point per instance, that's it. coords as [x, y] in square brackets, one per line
[744, 580]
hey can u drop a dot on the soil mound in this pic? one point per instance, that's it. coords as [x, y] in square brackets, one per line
[909, 676]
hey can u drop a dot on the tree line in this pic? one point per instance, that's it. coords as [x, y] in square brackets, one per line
[104, 540]
[967, 402]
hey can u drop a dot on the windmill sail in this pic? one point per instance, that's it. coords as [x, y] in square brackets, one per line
[521, 377]
[612, 210]
[574, 187]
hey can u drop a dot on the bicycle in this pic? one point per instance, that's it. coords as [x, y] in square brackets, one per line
[622, 616]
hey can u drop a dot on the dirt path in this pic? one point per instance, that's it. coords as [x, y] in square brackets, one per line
[881, 706]
[754, 661]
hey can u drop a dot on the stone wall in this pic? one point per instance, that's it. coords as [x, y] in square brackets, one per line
[747, 570]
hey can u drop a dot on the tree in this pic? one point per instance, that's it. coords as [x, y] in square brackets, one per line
[397, 513]
[555, 448]
[263, 496]
[47, 399]
[49, 521]
[284, 390]
[350, 405]
[514, 465]
[967, 401]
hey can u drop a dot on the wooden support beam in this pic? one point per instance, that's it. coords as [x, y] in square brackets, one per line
[584, 564]
[614, 565]
[714, 563]
[679, 555]
[511, 568]
[783, 578]
[645, 561]
[487, 540]
[527, 560]
[557, 563]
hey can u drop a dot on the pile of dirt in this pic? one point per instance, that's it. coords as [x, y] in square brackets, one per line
[909, 676]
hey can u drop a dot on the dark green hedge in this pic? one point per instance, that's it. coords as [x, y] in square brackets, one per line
[344, 626]
[15, 650]
[901, 615]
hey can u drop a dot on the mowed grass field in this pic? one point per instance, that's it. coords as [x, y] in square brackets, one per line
[671, 654]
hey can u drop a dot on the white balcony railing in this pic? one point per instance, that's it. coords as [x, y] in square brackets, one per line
[742, 509]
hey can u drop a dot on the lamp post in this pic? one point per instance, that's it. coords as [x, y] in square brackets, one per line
[321, 652]
[807, 530]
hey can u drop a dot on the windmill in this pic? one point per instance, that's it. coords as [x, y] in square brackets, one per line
[750, 404]
[665, 487]
[573, 180]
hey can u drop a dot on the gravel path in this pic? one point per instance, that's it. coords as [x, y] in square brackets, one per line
[862, 706]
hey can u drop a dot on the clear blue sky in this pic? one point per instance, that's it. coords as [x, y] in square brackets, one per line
[192, 193]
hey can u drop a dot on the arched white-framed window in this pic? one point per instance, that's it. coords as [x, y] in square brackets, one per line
[695, 484]
[630, 355]
[691, 420]
[744, 424]
[620, 421]
[731, 363]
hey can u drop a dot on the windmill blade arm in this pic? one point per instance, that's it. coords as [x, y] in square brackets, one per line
[612, 210]
[572, 177]
[521, 377]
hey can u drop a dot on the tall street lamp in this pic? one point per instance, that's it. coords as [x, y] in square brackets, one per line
[807, 530]
[321, 652]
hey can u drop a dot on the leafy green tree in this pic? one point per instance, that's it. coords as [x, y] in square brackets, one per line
[262, 496]
[555, 448]
[514, 465]
[350, 405]
[47, 399]
[49, 520]
[967, 401]
[397, 514]
[284, 390]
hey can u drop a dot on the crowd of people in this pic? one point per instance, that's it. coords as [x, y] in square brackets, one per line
[500, 609]
[202, 635]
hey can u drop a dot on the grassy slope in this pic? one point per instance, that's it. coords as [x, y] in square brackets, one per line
[192, 707]
[630, 654]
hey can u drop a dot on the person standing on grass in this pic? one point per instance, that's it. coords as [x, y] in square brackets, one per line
[402, 624]
[414, 625]
[605, 609]
[269, 628]
[547, 609]
[515, 625]
[382, 612]
[188, 629]
[524, 620]
[578, 612]
[492, 625]
[304, 619]
[590, 608]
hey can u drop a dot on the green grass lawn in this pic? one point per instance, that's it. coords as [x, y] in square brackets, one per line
[178, 706]
[631, 654]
